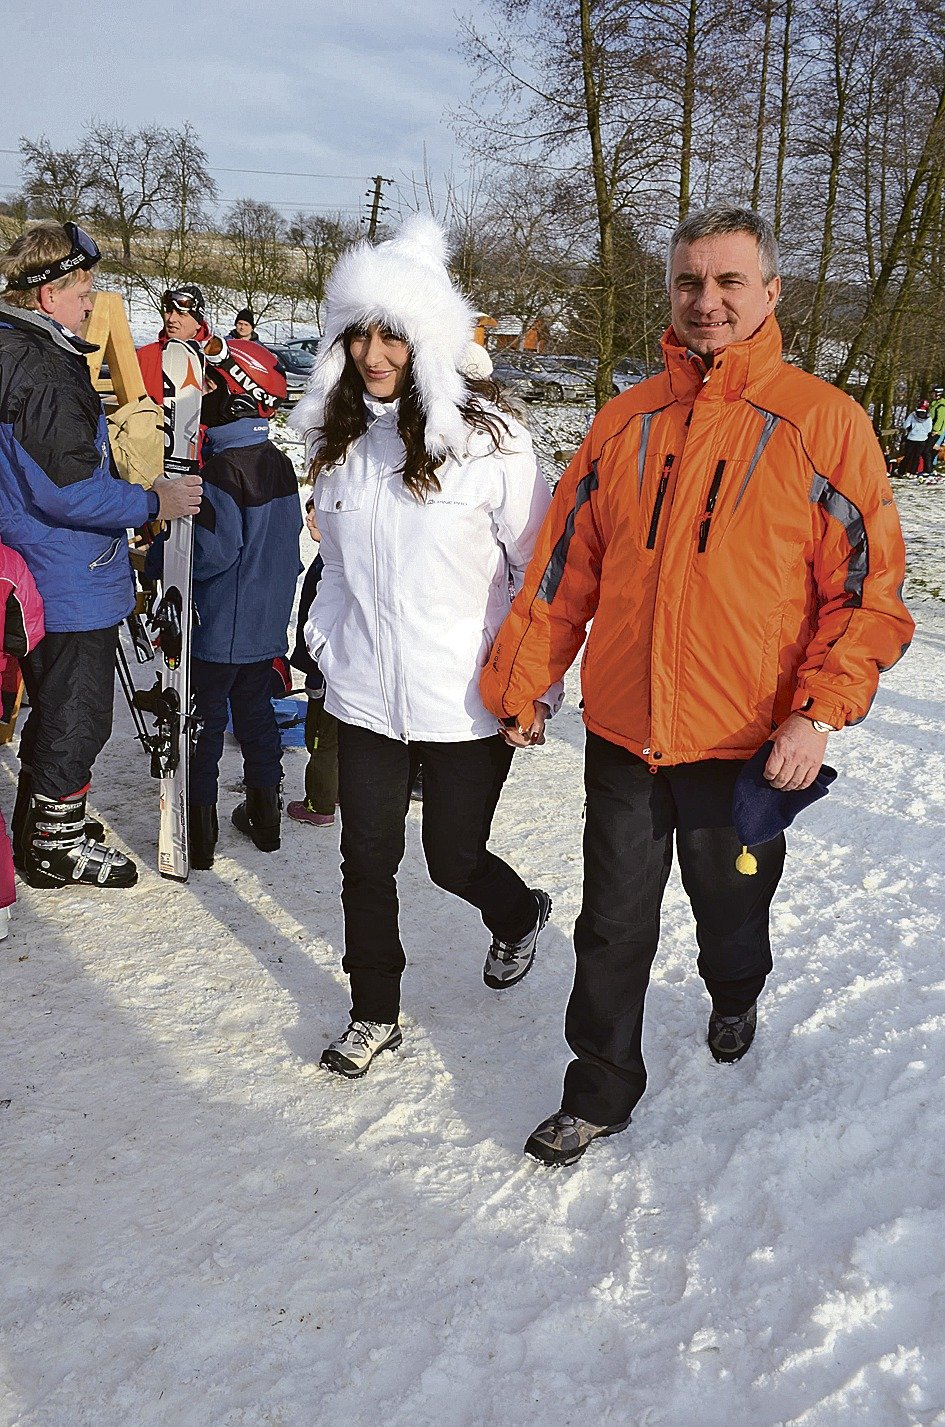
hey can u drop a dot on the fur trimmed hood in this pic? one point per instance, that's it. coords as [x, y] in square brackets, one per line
[401, 284]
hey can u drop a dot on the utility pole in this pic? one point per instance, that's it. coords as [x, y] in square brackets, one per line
[377, 208]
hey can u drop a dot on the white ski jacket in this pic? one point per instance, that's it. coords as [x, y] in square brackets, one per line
[413, 593]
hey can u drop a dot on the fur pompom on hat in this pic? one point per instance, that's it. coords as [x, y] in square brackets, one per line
[403, 285]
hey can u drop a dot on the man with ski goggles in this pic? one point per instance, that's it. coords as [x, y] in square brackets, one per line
[185, 320]
[64, 511]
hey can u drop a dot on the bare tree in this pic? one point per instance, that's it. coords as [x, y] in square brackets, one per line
[55, 183]
[132, 170]
[256, 238]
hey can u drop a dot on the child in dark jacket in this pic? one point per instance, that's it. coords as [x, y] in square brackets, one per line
[246, 563]
[321, 727]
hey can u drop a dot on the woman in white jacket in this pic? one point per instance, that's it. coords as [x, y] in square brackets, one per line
[429, 500]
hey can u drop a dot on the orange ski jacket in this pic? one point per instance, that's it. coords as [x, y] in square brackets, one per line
[733, 537]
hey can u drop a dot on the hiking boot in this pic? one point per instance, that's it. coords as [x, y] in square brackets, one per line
[509, 961]
[352, 1053]
[260, 817]
[563, 1138]
[58, 853]
[204, 830]
[300, 812]
[730, 1037]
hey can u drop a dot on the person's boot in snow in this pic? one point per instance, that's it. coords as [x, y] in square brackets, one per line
[204, 831]
[351, 1054]
[94, 830]
[563, 1138]
[730, 1037]
[58, 854]
[260, 817]
[509, 961]
[301, 812]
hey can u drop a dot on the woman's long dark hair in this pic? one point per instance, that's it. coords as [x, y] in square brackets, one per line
[346, 418]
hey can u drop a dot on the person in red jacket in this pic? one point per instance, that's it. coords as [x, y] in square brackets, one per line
[730, 529]
[185, 319]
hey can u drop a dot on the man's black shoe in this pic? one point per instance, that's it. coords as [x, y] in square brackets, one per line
[730, 1037]
[563, 1138]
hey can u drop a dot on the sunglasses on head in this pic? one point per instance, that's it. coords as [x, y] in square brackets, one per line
[84, 253]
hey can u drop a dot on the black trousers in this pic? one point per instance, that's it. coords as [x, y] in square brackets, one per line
[246, 688]
[632, 816]
[321, 770]
[461, 787]
[70, 679]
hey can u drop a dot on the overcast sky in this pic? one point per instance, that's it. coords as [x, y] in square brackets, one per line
[344, 88]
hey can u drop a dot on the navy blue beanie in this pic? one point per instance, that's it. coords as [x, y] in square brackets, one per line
[759, 811]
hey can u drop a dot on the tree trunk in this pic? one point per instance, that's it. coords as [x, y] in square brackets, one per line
[688, 109]
[762, 106]
[605, 211]
[783, 116]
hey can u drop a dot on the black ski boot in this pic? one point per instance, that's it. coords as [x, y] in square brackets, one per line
[58, 854]
[260, 817]
[94, 830]
[204, 831]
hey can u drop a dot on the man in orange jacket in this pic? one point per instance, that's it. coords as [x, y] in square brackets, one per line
[730, 529]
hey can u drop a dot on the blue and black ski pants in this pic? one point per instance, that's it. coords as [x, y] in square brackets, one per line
[246, 691]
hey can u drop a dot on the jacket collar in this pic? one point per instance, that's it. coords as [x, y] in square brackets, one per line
[385, 412]
[27, 319]
[735, 371]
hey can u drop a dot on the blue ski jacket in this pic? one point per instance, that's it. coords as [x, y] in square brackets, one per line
[62, 504]
[246, 547]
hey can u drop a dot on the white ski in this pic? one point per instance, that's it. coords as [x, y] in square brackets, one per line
[182, 365]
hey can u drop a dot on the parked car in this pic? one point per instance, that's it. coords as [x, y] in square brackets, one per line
[512, 379]
[549, 382]
[297, 364]
[303, 344]
[627, 372]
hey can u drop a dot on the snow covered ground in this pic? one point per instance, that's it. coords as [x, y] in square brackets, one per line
[200, 1228]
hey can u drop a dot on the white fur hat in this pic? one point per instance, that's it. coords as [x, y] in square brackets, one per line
[401, 284]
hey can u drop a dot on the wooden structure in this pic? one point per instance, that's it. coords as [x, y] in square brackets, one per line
[108, 328]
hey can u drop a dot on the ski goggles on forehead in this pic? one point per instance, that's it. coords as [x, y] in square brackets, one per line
[84, 253]
[180, 302]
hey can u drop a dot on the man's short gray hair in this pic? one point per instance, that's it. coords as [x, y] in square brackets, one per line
[728, 218]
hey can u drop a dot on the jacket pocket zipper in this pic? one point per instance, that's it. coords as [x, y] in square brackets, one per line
[710, 506]
[658, 503]
[107, 556]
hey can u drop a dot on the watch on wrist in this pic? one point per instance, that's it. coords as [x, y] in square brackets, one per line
[823, 727]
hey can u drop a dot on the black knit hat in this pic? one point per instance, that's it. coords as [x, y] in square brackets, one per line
[245, 314]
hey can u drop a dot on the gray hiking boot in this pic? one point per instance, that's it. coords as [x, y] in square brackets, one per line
[352, 1053]
[563, 1138]
[730, 1037]
[508, 961]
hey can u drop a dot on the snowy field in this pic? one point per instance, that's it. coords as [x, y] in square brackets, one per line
[200, 1228]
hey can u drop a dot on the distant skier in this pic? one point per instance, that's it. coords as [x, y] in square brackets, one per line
[246, 564]
[63, 508]
[916, 431]
[937, 438]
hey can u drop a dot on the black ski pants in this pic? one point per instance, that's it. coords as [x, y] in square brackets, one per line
[246, 689]
[632, 817]
[70, 680]
[461, 787]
